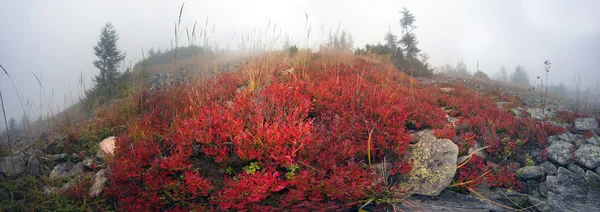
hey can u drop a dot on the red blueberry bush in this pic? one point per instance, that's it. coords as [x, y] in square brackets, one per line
[305, 136]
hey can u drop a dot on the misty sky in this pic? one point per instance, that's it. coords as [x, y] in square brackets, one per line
[54, 39]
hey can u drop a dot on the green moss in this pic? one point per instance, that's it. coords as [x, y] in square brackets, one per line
[528, 160]
[520, 173]
[252, 168]
[229, 170]
[519, 142]
[291, 171]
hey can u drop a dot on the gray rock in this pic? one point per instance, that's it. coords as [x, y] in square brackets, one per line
[556, 124]
[33, 167]
[451, 120]
[584, 124]
[569, 192]
[578, 142]
[564, 137]
[67, 186]
[57, 157]
[516, 111]
[500, 104]
[571, 136]
[597, 170]
[100, 181]
[433, 167]
[77, 169]
[593, 185]
[13, 166]
[548, 168]
[461, 159]
[61, 170]
[575, 169]
[48, 190]
[540, 204]
[543, 189]
[479, 153]
[537, 113]
[552, 139]
[88, 161]
[592, 141]
[560, 152]
[449, 201]
[588, 156]
[533, 187]
[530, 173]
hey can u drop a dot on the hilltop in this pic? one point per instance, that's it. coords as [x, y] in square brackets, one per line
[313, 131]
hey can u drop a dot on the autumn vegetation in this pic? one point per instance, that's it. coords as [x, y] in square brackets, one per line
[302, 132]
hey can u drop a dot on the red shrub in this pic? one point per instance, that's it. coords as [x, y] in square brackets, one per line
[564, 116]
[249, 190]
[322, 118]
[447, 133]
[588, 134]
[196, 185]
[80, 190]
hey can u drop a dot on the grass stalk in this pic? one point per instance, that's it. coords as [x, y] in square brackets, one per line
[20, 100]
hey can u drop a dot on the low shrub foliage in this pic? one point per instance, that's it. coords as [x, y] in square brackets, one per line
[300, 139]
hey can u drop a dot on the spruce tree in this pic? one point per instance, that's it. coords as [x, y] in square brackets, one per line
[109, 59]
[409, 39]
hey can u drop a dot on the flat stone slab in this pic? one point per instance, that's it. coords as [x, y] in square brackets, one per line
[583, 124]
[560, 152]
[588, 156]
[568, 191]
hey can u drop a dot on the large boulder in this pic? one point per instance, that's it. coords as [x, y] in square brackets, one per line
[568, 191]
[583, 124]
[588, 156]
[433, 166]
[106, 147]
[560, 152]
[100, 181]
[13, 166]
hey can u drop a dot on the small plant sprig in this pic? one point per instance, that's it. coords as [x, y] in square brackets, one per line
[547, 68]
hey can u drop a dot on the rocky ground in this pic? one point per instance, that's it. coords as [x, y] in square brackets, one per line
[566, 177]
[162, 81]
[51, 163]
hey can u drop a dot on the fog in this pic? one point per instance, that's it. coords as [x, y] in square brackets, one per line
[54, 39]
